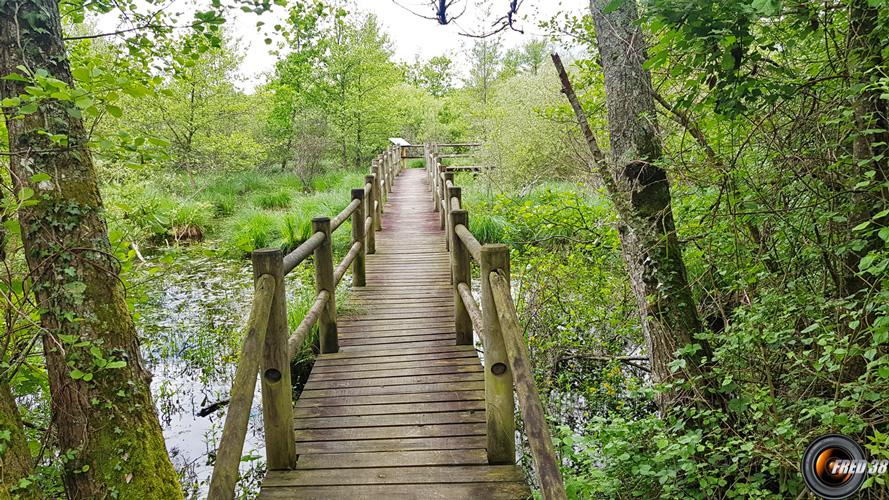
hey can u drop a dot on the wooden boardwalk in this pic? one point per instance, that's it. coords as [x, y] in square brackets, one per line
[399, 411]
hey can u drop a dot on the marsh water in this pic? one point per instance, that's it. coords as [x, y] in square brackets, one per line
[189, 311]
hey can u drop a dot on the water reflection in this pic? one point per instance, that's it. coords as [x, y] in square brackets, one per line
[189, 312]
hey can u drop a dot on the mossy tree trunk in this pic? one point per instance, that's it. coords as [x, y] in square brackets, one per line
[103, 416]
[641, 193]
[15, 457]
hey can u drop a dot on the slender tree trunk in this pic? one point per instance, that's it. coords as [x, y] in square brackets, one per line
[101, 404]
[641, 194]
[870, 152]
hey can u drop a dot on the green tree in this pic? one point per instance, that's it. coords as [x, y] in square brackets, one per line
[436, 75]
[104, 418]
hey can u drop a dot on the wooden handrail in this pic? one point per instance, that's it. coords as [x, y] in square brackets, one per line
[468, 239]
[507, 363]
[343, 266]
[302, 252]
[460, 145]
[475, 313]
[231, 445]
[341, 217]
[542, 450]
[299, 335]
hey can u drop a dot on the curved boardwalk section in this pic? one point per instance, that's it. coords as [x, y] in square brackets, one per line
[399, 411]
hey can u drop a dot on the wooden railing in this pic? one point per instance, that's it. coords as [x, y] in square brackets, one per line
[507, 364]
[268, 346]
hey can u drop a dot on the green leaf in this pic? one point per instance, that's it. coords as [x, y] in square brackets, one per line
[40, 177]
[612, 6]
[114, 111]
[76, 374]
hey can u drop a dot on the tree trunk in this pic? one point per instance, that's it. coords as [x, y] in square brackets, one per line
[15, 457]
[641, 194]
[101, 404]
[870, 152]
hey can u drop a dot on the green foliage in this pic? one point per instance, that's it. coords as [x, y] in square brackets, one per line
[252, 229]
[272, 199]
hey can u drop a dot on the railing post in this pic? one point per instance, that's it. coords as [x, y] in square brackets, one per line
[378, 198]
[378, 169]
[324, 281]
[436, 192]
[358, 272]
[500, 406]
[448, 176]
[461, 273]
[277, 399]
[441, 194]
[370, 211]
[426, 162]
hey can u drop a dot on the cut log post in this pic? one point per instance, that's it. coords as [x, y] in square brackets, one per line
[448, 176]
[453, 193]
[370, 211]
[462, 273]
[234, 431]
[277, 399]
[426, 162]
[378, 199]
[441, 194]
[433, 173]
[546, 461]
[500, 406]
[324, 280]
[358, 271]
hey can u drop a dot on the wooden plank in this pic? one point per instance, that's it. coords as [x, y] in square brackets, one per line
[388, 409]
[389, 352]
[376, 340]
[402, 346]
[395, 475]
[402, 431]
[393, 445]
[386, 358]
[402, 459]
[386, 381]
[363, 334]
[392, 372]
[488, 491]
[392, 389]
[380, 399]
[395, 365]
[404, 419]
